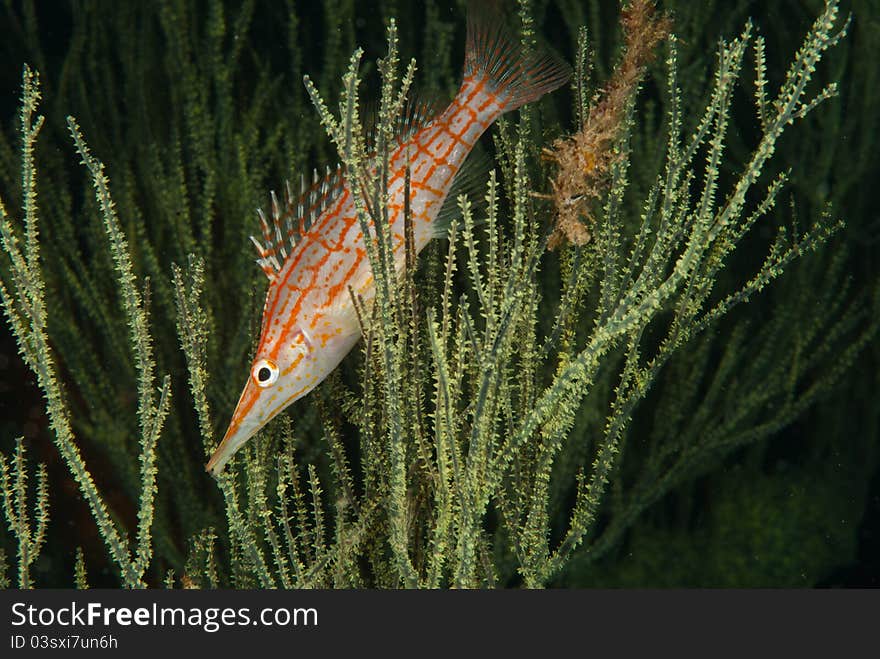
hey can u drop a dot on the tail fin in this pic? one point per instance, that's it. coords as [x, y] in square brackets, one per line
[497, 56]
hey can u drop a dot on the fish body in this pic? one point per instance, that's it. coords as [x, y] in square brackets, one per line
[309, 321]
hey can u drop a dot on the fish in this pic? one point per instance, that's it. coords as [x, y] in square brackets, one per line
[309, 321]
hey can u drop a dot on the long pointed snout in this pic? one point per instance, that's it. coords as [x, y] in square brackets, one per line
[244, 424]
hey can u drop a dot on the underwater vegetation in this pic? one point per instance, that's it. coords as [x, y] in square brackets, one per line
[644, 354]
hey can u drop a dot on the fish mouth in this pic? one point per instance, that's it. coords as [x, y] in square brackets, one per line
[236, 436]
[244, 425]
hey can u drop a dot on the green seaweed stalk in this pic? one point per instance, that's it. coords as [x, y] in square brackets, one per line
[13, 484]
[24, 305]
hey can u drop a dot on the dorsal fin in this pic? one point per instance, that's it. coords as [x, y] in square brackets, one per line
[288, 224]
[419, 111]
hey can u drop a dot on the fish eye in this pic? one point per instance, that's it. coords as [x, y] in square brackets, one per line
[265, 373]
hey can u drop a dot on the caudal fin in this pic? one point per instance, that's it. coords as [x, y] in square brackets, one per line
[497, 56]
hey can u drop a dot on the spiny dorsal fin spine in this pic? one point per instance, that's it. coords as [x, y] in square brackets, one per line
[277, 219]
[293, 220]
[260, 250]
[264, 226]
[300, 205]
[288, 203]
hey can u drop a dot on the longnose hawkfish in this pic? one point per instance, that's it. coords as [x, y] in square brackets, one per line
[309, 319]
